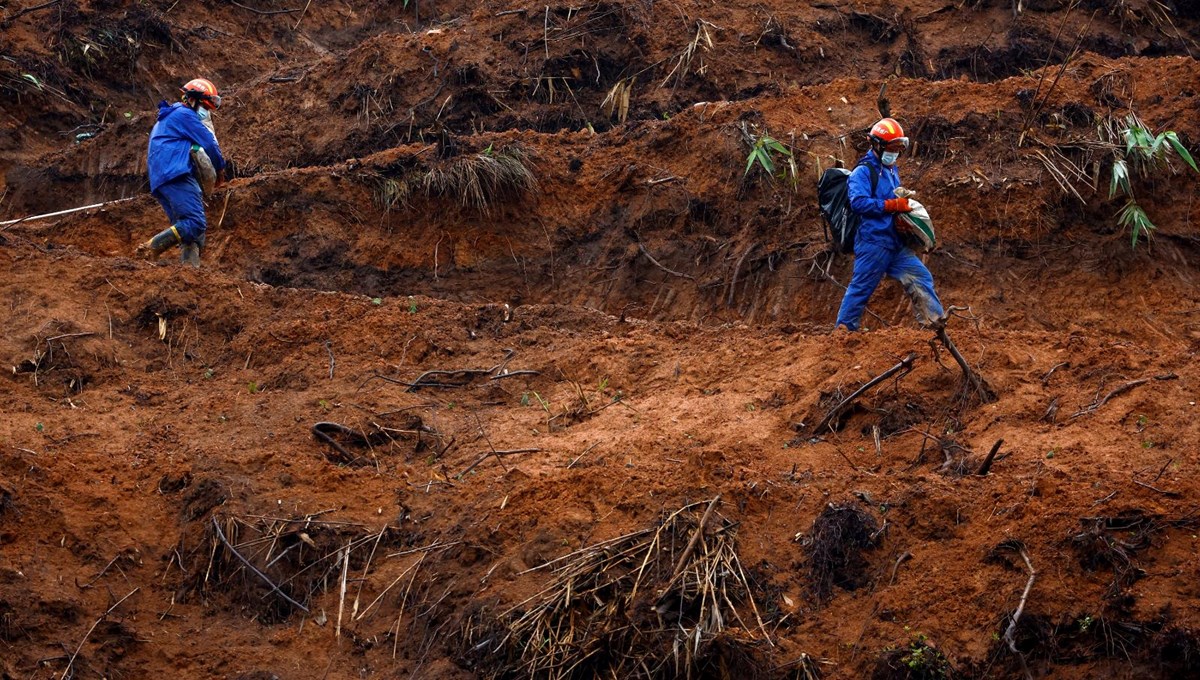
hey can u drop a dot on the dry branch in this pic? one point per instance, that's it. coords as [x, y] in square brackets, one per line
[987, 462]
[903, 368]
[1119, 390]
[88, 634]
[972, 379]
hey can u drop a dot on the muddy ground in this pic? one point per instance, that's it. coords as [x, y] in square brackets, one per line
[615, 470]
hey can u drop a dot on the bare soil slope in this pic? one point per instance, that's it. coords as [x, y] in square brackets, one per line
[565, 426]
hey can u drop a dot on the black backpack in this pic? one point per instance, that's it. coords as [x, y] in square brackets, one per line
[841, 223]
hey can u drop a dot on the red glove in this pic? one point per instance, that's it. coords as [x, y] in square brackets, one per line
[896, 205]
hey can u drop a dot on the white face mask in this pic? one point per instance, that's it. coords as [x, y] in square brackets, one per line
[889, 157]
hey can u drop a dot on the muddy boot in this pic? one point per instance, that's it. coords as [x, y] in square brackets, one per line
[150, 250]
[189, 253]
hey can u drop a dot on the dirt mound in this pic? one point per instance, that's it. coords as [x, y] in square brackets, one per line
[502, 363]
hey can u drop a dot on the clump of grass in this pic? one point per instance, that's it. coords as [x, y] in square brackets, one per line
[477, 181]
[480, 180]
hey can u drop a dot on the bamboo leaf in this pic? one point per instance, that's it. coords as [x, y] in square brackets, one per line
[1120, 179]
[1181, 150]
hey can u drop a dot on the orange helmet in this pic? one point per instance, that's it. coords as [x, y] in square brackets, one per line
[203, 92]
[887, 132]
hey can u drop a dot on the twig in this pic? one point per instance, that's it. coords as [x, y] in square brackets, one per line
[577, 458]
[27, 10]
[332, 361]
[252, 568]
[342, 599]
[905, 365]
[224, 207]
[1119, 390]
[987, 462]
[691, 546]
[264, 12]
[1009, 635]
[88, 634]
[485, 456]
[899, 560]
[302, 13]
[658, 264]
[981, 388]
[1169, 494]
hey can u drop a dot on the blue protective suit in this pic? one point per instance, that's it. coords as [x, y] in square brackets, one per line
[878, 249]
[169, 161]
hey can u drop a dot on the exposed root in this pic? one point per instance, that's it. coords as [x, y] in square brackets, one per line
[835, 546]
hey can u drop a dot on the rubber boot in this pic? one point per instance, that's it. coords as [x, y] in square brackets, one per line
[156, 246]
[189, 253]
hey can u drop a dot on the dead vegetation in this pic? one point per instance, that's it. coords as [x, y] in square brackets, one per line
[270, 567]
[477, 181]
[667, 601]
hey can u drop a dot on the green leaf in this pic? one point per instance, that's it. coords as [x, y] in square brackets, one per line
[1135, 219]
[1120, 179]
[776, 146]
[765, 159]
[1181, 150]
[750, 161]
[33, 79]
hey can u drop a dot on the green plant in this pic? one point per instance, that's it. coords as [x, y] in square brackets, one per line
[252, 387]
[924, 660]
[763, 152]
[208, 374]
[1085, 623]
[1138, 153]
[412, 305]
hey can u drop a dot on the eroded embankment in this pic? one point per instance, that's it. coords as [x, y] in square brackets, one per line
[159, 427]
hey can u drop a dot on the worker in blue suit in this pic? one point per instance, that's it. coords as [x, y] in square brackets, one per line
[877, 247]
[180, 129]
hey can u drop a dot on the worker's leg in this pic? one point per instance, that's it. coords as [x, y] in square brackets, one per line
[182, 201]
[870, 264]
[908, 269]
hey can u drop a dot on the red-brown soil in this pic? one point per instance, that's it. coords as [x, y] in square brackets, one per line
[677, 314]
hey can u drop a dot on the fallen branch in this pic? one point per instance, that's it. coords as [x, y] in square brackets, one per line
[987, 462]
[67, 670]
[903, 368]
[1119, 390]
[252, 568]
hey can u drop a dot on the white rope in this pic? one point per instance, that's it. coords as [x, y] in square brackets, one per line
[66, 212]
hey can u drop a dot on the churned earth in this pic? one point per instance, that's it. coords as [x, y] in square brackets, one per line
[502, 364]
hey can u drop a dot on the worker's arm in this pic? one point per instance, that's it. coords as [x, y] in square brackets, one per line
[199, 134]
[858, 188]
